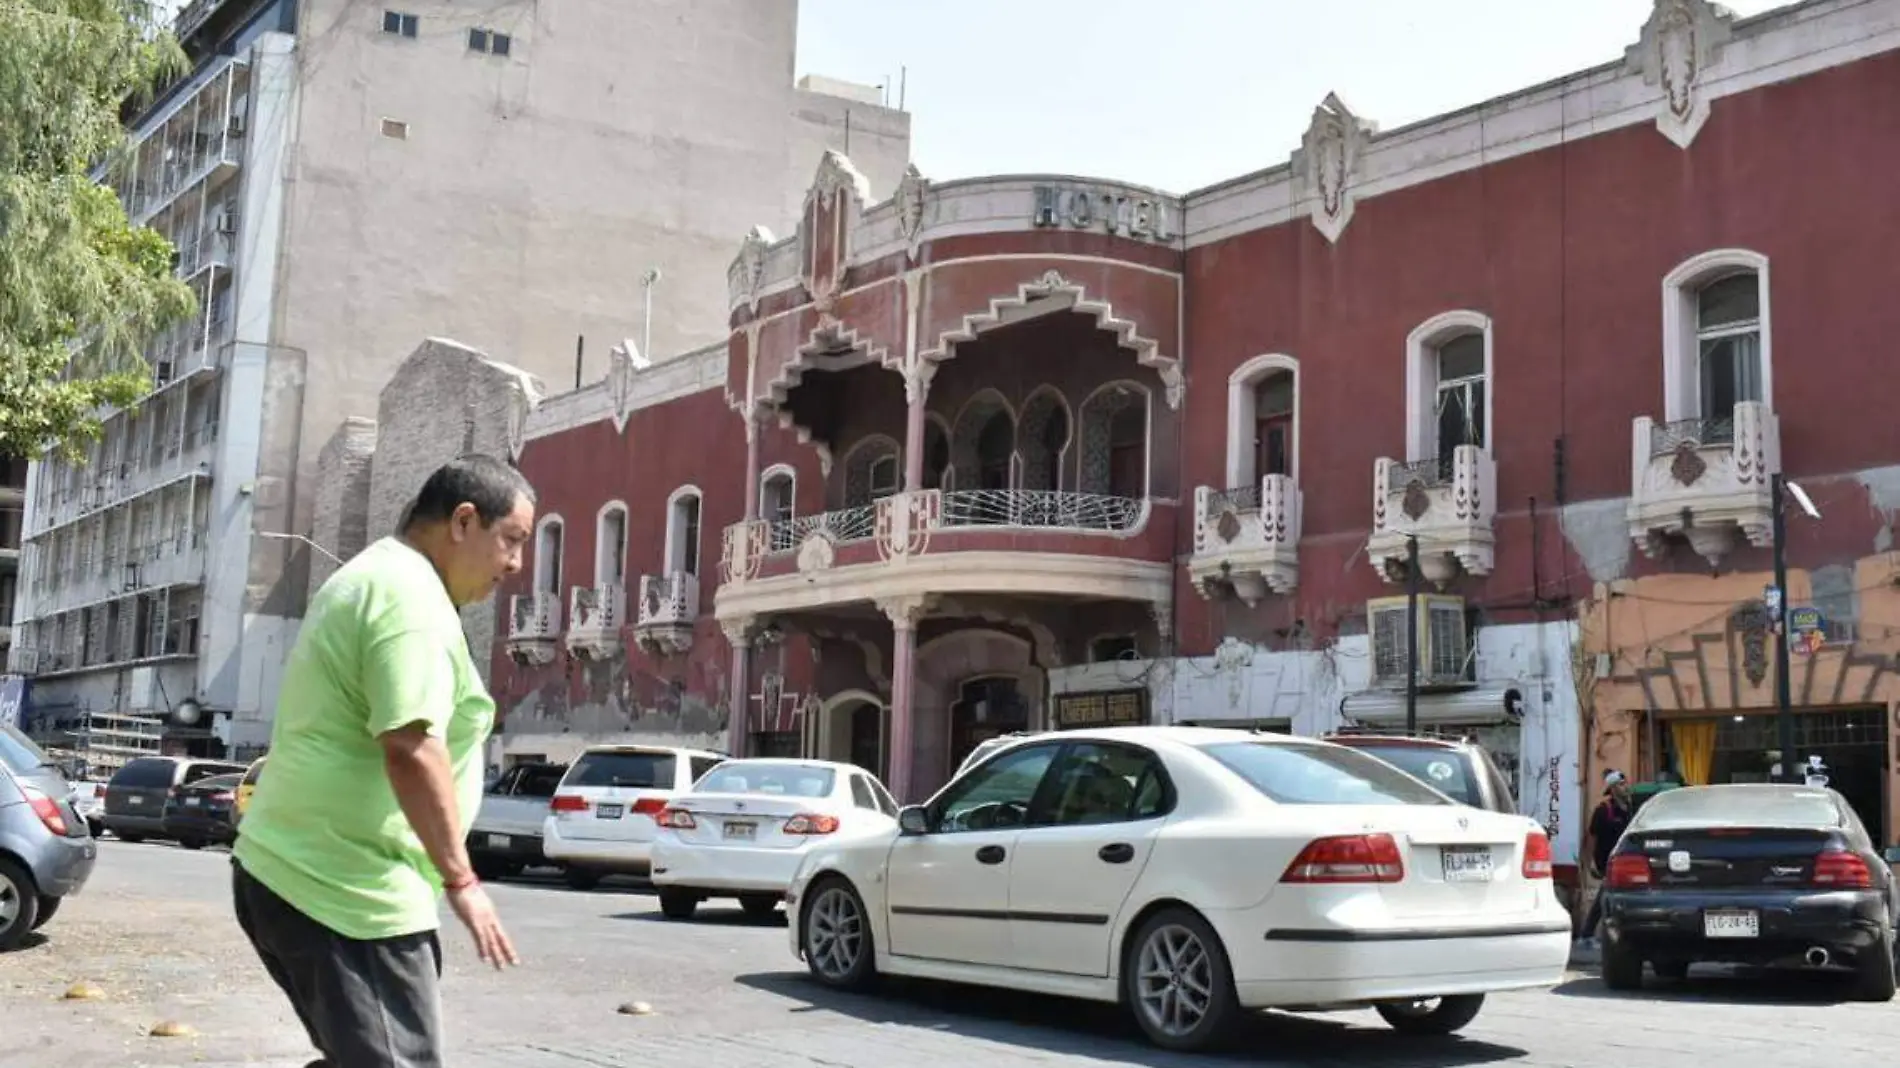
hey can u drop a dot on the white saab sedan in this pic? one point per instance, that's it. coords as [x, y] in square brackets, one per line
[744, 828]
[1193, 874]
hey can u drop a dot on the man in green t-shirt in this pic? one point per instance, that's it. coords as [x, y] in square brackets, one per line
[375, 775]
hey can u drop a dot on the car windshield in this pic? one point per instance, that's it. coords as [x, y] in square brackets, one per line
[1445, 770]
[1295, 773]
[1739, 806]
[19, 753]
[777, 778]
[622, 767]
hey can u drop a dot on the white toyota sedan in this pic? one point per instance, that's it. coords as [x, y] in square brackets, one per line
[1193, 874]
[743, 830]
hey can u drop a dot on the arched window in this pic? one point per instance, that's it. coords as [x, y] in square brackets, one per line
[936, 454]
[1263, 402]
[1043, 439]
[995, 444]
[981, 442]
[778, 494]
[1114, 424]
[682, 531]
[547, 555]
[873, 470]
[1448, 379]
[610, 545]
[1717, 344]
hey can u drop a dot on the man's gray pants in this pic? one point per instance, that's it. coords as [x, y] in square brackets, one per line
[365, 1004]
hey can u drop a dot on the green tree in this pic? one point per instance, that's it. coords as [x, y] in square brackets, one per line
[81, 289]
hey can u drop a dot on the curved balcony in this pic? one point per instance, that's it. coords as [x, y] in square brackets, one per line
[947, 542]
[1447, 504]
[1706, 480]
[1247, 538]
[534, 627]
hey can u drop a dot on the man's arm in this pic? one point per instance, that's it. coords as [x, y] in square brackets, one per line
[418, 767]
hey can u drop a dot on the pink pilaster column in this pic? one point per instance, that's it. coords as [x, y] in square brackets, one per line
[904, 613]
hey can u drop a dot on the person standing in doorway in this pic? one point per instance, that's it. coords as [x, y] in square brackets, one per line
[375, 775]
[1607, 824]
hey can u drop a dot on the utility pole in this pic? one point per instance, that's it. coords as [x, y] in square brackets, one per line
[1411, 634]
[1784, 698]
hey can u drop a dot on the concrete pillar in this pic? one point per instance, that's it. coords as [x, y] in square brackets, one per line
[739, 701]
[916, 392]
[751, 464]
[904, 613]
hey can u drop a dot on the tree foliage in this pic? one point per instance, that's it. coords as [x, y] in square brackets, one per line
[82, 290]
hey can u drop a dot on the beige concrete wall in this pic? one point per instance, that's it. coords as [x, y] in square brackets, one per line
[340, 516]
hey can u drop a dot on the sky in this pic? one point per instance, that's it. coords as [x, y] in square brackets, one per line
[1180, 94]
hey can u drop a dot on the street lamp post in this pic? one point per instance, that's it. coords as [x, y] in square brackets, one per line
[282, 536]
[1411, 634]
[1779, 490]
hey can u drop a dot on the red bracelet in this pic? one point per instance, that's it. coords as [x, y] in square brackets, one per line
[460, 884]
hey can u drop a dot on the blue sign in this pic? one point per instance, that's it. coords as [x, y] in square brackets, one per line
[12, 700]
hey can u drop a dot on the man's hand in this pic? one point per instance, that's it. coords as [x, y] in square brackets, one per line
[477, 913]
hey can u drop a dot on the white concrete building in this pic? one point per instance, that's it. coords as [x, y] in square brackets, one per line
[339, 181]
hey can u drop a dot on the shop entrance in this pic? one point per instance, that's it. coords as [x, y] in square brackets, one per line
[1852, 745]
[986, 708]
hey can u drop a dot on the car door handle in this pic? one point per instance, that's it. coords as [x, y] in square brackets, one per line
[990, 854]
[1116, 852]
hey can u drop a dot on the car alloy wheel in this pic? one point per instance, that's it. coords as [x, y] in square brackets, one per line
[10, 902]
[834, 934]
[19, 904]
[1174, 980]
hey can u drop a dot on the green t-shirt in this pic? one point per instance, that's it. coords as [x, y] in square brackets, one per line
[381, 647]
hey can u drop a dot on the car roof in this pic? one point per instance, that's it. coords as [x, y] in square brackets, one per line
[1186, 736]
[1411, 740]
[803, 762]
[656, 750]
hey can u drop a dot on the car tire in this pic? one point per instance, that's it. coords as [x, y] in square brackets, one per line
[834, 935]
[759, 906]
[678, 904]
[19, 905]
[1622, 969]
[579, 879]
[1673, 970]
[96, 828]
[132, 839]
[1874, 970]
[48, 906]
[191, 843]
[1177, 943]
[489, 868]
[1434, 1016]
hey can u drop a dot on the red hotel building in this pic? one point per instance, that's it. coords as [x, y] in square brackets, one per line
[1026, 452]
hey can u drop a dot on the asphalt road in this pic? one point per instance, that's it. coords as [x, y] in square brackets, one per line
[153, 932]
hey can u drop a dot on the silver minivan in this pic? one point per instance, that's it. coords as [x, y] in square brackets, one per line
[46, 852]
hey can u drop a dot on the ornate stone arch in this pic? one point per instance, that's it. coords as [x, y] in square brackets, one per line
[971, 419]
[832, 345]
[863, 455]
[1045, 434]
[1095, 416]
[937, 431]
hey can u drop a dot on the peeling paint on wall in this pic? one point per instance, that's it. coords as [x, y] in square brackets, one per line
[1599, 533]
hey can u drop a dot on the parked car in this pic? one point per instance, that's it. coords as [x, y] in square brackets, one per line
[204, 812]
[247, 786]
[990, 745]
[1461, 770]
[605, 813]
[1754, 874]
[89, 800]
[742, 831]
[46, 853]
[1193, 874]
[506, 835]
[138, 792]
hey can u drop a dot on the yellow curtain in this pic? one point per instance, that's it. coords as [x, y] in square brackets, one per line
[1695, 749]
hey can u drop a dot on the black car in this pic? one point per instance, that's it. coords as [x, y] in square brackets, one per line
[138, 793]
[204, 812]
[1749, 874]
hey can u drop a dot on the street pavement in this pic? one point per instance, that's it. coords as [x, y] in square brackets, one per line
[154, 933]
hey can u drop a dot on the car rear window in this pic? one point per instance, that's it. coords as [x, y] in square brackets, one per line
[252, 774]
[1291, 773]
[780, 779]
[18, 752]
[1739, 806]
[643, 771]
[146, 772]
[1444, 770]
[218, 782]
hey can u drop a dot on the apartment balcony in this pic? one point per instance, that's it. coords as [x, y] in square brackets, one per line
[1706, 480]
[534, 627]
[668, 611]
[1247, 538]
[1448, 506]
[170, 562]
[595, 614]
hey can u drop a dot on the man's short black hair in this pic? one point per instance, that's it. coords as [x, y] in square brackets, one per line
[493, 486]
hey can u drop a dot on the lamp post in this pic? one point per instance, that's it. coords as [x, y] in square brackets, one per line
[1779, 489]
[1411, 634]
[281, 536]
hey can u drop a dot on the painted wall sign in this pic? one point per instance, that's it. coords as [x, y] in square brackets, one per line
[1111, 708]
[1081, 208]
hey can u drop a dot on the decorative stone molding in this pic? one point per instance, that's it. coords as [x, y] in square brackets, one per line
[624, 365]
[1681, 42]
[746, 277]
[745, 549]
[817, 553]
[904, 522]
[833, 207]
[912, 202]
[907, 611]
[1328, 164]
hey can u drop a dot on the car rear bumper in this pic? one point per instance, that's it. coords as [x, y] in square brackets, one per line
[733, 869]
[198, 827]
[1670, 925]
[598, 854]
[1344, 965]
[151, 825]
[502, 845]
[61, 866]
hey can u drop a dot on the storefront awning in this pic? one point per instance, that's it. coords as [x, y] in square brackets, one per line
[1464, 708]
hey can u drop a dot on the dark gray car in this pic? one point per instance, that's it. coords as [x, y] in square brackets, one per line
[46, 853]
[137, 795]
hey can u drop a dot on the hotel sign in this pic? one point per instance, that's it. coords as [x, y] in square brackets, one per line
[1108, 708]
[1083, 208]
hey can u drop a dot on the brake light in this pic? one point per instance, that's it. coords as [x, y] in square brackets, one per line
[568, 803]
[811, 823]
[1537, 855]
[48, 811]
[1627, 870]
[224, 795]
[1838, 869]
[1347, 858]
[650, 806]
[678, 819]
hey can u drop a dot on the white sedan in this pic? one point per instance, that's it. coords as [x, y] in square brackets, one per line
[744, 828]
[1193, 874]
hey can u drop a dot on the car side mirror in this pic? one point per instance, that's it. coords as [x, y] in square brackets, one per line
[913, 820]
[1892, 854]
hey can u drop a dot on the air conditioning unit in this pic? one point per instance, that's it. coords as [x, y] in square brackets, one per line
[1444, 646]
[227, 222]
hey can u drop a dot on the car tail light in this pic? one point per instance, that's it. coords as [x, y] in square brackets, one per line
[677, 818]
[1537, 855]
[1627, 870]
[224, 796]
[811, 823]
[650, 806]
[48, 811]
[1838, 869]
[1348, 858]
[568, 803]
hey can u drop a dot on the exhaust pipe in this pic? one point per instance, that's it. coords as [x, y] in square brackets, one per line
[1816, 957]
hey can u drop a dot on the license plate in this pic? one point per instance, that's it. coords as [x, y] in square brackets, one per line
[1731, 923]
[608, 812]
[499, 841]
[1466, 865]
[741, 830]
[135, 800]
[194, 802]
